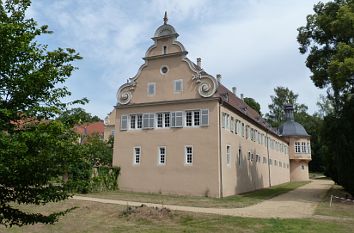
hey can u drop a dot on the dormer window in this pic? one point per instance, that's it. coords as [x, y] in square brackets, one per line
[164, 50]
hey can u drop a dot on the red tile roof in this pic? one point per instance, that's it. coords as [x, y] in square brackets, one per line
[244, 109]
[90, 128]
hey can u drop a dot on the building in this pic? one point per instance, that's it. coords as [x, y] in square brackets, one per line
[109, 125]
[89, 129]
[180, 131]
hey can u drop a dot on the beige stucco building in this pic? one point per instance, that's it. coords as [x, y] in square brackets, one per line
[178, 130]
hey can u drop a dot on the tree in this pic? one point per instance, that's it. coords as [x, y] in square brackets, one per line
[35, 149]
[74, 116]
[253, 104]
[283, 96]
[328, 40]
[97, 151]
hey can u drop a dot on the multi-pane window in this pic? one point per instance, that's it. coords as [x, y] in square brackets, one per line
[178, 85]
[297, 147]
[139, 121]
[193, 118]
[162, 155]
[188, 155]
[132, 121]
[167, 119]
[137, 155]
[159, 120]
[151, 89]
[148, 120]
[228, 154]
[303, 147]
[124, 122]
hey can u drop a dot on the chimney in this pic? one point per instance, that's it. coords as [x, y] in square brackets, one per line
[199, 62]
[234, 90]
[242, 97]
[218, 77]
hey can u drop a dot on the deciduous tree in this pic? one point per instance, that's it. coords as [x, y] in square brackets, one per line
[34, 148]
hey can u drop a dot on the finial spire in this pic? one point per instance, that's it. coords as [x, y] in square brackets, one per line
[165, 19]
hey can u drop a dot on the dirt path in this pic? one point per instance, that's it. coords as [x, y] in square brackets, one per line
[299, 203]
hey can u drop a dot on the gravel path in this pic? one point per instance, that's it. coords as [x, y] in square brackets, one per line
[299, 203]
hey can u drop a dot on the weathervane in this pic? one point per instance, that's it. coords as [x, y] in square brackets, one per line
[165, 19]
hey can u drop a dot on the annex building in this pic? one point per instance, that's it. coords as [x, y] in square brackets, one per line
[178, 130]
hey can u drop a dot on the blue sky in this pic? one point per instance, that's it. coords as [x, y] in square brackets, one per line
[251, 43]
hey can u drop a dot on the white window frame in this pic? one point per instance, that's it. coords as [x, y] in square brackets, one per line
[160, 155]
[297, 147]
[148, 89]
[174, 118]
[186, 155]
[135, 155]
[175, 86]
[150, 117]
[204, 113]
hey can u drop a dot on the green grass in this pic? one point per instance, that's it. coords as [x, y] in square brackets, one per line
[236, 201]
[338, 209]
[97, 217]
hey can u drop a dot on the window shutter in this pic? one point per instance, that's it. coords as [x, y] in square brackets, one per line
[179, 119]
[124, 122]
[145, 120]
[173, 119]
[205, 117]
[152, 120]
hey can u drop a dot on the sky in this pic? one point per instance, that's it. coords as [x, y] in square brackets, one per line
[251, 43]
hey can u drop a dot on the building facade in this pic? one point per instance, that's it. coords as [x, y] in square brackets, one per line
[180, 131]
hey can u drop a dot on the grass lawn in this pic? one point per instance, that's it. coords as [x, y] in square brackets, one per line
[339, 208]
[236, 201]
[97, 217]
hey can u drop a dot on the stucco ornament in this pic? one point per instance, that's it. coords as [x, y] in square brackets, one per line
[124, 94]
[206, 84]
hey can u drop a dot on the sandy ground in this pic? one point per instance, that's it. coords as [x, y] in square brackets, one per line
[299, 203]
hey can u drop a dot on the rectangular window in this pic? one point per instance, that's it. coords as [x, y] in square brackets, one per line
[193, 118]
[178, 86]
[162, 155]
[151, 89]
[239, 156]
[297, 147]
[228, 155]
[137, 155]
[223, 120]
[196, 118]
[205, 117]
[308, 148]
[132, 121]
[189, 119]
[232, 125]
[179, 119]
[159, 120]
[167, 119]
[243, 130]
[124, 122]
[148, 120]
[303, 147]
[188, 155]
[139, 121]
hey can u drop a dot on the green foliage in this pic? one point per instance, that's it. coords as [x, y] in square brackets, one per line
[97, 151]
[283, 96]
[253, 104]
[106, 179]
[34, 150]
[75, 116]
[328, 37]
[328, 40]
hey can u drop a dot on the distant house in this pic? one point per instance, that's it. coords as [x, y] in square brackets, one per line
[89, 129]
[109, 125]
[182, 131]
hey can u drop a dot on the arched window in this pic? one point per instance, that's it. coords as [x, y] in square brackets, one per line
[164, 50]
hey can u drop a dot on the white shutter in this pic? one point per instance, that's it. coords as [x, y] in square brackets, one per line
[145, 120]
[173, 119]
[179, 119]
[151, 120]
[124, 122]
[205, 117]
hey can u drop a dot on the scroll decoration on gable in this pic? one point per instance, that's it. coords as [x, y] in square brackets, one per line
[124, 94]
[206, 84]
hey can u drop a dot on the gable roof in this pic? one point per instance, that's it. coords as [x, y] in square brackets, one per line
[244, 110]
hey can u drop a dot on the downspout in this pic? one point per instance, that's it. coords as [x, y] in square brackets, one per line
[220, 157]
[270, 180]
